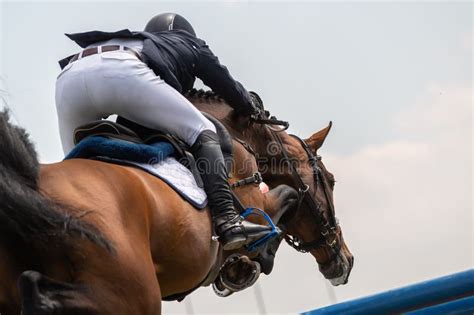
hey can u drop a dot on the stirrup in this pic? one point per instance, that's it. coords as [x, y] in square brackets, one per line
[275, 231]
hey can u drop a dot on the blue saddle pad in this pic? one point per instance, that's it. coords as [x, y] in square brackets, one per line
[144, 157]
[97, 146]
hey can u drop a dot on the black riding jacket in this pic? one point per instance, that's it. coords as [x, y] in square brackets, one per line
[178, 58]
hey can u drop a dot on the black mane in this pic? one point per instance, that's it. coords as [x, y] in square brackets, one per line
[203, 95]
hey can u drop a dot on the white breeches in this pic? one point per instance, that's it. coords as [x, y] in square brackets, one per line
[117, 82]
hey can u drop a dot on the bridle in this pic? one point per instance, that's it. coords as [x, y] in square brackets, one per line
[329, 227]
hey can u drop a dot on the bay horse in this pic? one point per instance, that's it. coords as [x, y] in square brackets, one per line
[87, 237]
[287, 159]
[59, 222]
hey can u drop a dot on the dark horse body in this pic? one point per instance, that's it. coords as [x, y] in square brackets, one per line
[109, 239]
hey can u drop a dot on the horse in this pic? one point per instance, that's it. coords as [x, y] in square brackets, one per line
[309, 227]
[87, 237]
[287, 159]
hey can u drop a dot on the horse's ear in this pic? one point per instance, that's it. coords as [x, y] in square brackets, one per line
[316, 141]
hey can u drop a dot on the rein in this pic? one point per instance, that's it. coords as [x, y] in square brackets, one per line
[264, 118]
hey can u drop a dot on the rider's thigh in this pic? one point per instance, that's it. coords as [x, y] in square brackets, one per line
[73, 104]
[143, 97]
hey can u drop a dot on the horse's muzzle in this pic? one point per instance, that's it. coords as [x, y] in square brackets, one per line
[338, 271]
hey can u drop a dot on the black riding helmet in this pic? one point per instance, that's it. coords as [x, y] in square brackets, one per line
[169, 21]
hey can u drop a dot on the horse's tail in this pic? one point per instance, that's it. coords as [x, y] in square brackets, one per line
[26, 216]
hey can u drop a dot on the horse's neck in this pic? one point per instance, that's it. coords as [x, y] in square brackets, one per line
[218, 109]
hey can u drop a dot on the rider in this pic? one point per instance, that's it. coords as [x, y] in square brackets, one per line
[141, 76]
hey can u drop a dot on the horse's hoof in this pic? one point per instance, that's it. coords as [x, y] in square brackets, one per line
[237, 273]
[220, 290]
[246, 280]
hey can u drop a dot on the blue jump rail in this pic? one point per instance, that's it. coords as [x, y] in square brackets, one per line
[453, 294]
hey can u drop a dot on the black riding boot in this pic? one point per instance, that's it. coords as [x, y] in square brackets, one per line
[233, 232]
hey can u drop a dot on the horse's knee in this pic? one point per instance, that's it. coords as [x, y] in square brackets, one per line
[41, 295]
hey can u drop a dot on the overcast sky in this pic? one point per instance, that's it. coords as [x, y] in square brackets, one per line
[395, 78]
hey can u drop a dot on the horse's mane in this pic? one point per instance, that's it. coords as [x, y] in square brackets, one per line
[204, 95]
